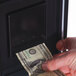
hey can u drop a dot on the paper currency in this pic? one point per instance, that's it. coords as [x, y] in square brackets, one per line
[32, 59]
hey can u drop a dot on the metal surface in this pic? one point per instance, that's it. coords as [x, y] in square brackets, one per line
[62, 22]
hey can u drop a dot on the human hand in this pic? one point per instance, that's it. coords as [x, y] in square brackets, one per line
[66, 62]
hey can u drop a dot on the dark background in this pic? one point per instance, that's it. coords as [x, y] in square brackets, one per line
[25, 23]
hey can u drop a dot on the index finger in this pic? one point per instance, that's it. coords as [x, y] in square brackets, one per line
[68, 43]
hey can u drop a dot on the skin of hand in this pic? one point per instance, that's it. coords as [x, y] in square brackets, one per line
[65, 62]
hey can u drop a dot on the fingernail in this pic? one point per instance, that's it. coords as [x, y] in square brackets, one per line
[60, 45]
[44, 66]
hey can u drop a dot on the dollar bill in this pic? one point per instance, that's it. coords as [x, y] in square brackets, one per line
[32, 59]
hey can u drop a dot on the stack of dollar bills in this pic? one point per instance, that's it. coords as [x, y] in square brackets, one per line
[32, 59]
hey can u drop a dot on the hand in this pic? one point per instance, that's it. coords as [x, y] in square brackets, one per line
[66, 62]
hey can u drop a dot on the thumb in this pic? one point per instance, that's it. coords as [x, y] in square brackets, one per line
[55, 63]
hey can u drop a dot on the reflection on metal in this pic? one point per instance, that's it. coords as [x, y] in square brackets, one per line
[62, 22]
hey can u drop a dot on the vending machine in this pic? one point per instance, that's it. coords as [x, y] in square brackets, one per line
[26, 23]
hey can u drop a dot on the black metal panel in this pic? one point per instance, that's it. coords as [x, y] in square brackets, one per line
[15, 5]
[25, 26]
[7, 8]
[2, 1]
[51, 25]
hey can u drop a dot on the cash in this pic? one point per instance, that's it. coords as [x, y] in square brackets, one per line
[32, 59]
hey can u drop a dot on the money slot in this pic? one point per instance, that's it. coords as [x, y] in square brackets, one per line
[26, 27]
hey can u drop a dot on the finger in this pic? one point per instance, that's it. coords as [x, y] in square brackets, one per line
[55, 56]
[44, 66]
[56, 63]
[65, 69]
[60, 54]
[73, 73]
[68, 74]
[68, 43]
